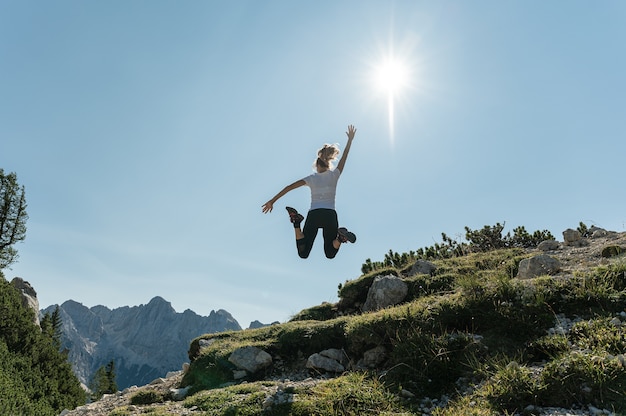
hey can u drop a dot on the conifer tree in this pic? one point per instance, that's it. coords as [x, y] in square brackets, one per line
[103, 381]
[13, 217]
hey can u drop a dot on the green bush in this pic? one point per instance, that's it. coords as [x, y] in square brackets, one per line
[146, 397]
[322, 312]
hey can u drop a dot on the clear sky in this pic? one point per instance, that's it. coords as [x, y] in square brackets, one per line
[149, 133]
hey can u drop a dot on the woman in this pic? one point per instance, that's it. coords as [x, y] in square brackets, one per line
[322, 214]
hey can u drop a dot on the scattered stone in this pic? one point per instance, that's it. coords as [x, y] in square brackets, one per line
[157, 381]
[385, 291]
[179, 394]
[372, 358]
[336, 354]
[406, 394]
[573, 238]
[597, 232]
[206, 342]
[239, 374]
[251, 359]
[320, 362]
[538, 266]
[173, 373]
[423, 267]
[548, 245]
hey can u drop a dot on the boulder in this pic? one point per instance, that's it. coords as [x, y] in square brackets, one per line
[374, 357]
[573, 238]
[251, 359]
[318, 361]
[423, 267]
[385, 291]
[179, 394]
[336, 354]
[538, 266]
[548, 245]
[597, 232]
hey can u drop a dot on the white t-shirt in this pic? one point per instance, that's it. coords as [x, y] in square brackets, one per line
[323, 188]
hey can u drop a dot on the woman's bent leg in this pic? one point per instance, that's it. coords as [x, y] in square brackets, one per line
[330, 227]
[305, 244]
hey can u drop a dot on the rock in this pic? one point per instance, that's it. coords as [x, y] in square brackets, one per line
[336, 354]
[319, 362]
[203, 343]
[573, 238]
[538, 266]
[374, 357]
[179, 394]
[406, 394]
[612, 251]
[239, 374]
[548, 245]
[423, 267]
[385, 291]
[157, 381]
[251, 359]
[29, 296]
[597, 232]
[171, 374]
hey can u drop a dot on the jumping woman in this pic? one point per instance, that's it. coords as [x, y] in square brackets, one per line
[322, 214]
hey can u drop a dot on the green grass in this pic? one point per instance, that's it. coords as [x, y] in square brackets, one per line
[471, 320]
[353, 394]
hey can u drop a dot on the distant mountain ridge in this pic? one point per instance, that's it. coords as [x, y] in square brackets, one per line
[144, 341]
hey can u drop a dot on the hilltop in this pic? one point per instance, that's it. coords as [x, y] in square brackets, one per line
[482, 331]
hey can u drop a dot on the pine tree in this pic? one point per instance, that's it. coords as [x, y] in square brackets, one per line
[103, 381]
[13, 217]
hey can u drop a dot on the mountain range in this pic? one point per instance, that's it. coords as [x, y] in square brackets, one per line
[144, 342]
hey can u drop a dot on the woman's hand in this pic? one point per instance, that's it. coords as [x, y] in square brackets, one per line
[351, 132]
[268, 206]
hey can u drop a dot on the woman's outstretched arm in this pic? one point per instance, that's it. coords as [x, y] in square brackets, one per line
[350, 133]
[269, 205]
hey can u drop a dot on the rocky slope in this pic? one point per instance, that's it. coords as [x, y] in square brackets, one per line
[145, 341]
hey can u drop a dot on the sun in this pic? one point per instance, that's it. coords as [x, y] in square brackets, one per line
[391, 76]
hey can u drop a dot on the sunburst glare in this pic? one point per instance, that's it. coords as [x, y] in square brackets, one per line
[392, 77]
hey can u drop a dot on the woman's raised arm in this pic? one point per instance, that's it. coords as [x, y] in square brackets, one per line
[350, 133]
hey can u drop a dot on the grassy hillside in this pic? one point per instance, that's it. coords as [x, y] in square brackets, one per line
[470, 339]
[470, 335]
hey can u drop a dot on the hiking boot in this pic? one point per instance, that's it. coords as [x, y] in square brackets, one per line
[294, 216]
[343, 235]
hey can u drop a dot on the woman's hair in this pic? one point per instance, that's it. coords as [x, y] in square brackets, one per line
[326, 155]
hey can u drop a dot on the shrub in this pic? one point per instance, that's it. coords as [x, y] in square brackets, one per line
[322, 312]
[146, 397]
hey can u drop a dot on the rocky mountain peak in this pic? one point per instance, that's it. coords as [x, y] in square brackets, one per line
[144, 341]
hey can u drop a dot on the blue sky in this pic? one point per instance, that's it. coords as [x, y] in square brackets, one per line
[149, 133]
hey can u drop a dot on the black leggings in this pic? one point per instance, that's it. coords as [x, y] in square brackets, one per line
[326, 219]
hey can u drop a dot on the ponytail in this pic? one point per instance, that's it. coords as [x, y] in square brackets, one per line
[326, 155]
